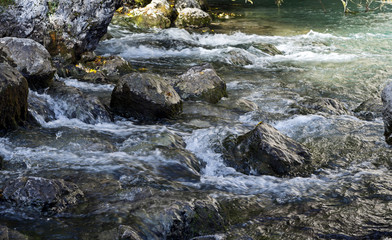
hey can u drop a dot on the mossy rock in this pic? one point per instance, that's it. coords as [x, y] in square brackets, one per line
[193, 17]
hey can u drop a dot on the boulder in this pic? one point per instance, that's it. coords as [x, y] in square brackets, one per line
[369, 110]
[68, 28]
[201, 82]
[32, 60]
[386, 97]
[13, 97]
[181, 4]
[265, 151]
[10, 234]
[157, 14]
[324, 105]
[5, 55]
[193, 17]
[72, 103]
[238, 57]
[41, 194]
[145, 96]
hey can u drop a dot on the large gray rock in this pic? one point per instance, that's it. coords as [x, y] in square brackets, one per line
[265, 150]
[44, 195]
[75, 104]
[32, 60]
[193, 17]
[386, 97]
[67, 27]
[145, 96]
[13, 97]
[201, 82]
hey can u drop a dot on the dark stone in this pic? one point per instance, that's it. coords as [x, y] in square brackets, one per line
[32, 60]
[10, 234]
[44, 195]
[145, 96]
[369, 110]
[1, 163]
[265, 150]
[120, 233]
[13, 97]
[68, 28]
[386, 98]
[5, 55]
[201, 82]
[324, 105]
[78, 105]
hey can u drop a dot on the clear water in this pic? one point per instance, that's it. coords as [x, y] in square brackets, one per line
[325, 54]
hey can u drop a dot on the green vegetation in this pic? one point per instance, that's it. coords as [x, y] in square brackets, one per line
[52, 7]
[5, 3]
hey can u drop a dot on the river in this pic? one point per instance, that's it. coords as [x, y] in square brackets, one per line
[131, 172]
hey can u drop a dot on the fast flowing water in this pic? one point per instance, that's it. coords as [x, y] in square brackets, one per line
[326, 54]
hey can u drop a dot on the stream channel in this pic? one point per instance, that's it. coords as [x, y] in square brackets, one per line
[138, 175]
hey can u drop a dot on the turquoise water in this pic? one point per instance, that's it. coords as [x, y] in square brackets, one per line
[125, 168]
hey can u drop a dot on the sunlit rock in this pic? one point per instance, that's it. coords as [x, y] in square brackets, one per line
[68, 28]
[193, 17]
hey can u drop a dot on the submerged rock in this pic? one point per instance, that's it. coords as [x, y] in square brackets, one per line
[386, 98]
[238, 57]
[44, 195]
[324, 105]
[145, 96]
[76, 104]
[201, 82]
[369, 110]
[122, 232]
[68, 28]
[193, 17]
[13, 97]
[32, 60]
[265, 150]
[9, 234]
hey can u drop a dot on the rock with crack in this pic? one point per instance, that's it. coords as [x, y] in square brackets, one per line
[265, 151]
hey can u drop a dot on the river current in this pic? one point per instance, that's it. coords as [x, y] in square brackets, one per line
[326, 54]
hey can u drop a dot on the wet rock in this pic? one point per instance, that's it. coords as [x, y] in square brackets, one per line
[265, 150]
[245, 105]
[145, 96]
[1, 163]
[121, 233]
[193, 17]
[182, 165]
[32, 60]
[268, 49]
[68, 28]
[75, 104]
[209, 237]
[13, 97]
[386, 97]
[157, 14]
[10, 234]
[369, 110]
[324, 105]
[238, 57]
[43, 195]
[201, 82]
